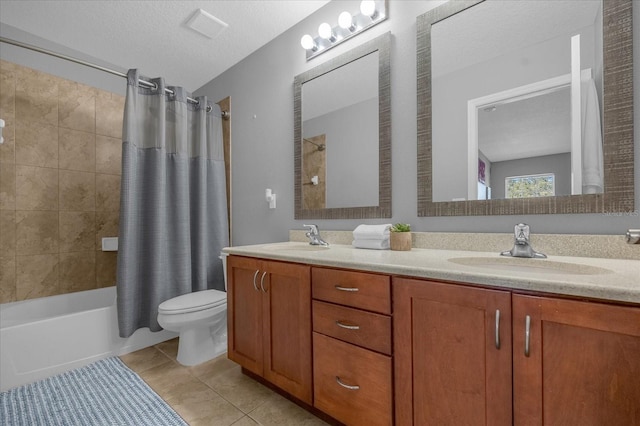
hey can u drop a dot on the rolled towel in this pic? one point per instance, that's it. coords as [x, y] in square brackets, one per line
[371, 232]
[382, 244]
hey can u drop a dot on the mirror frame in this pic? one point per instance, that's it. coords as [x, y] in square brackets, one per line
[382, 45]
[618, 143]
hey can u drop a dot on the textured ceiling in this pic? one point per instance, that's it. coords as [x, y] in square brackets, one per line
[152, 35]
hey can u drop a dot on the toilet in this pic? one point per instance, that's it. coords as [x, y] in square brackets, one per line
[200, 318]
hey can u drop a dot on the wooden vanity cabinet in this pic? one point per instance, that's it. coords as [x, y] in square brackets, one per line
[269, 321]
[352, 363]
[582, 366]
[452, 354]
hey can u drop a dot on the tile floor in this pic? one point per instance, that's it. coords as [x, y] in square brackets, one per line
[215, 393]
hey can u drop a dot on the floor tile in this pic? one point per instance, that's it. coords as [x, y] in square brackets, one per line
[199, 405]
[144, 359]
[170, 348]
[279, 411]
[246, 421]
[240, 390]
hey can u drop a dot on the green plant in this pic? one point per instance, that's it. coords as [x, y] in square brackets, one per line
[401, 227]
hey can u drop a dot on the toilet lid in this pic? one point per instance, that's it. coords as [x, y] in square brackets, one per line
[192, 302]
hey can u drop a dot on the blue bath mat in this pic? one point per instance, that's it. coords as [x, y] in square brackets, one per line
[105, 393]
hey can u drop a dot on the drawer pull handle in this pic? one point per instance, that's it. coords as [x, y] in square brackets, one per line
[527, 335]
[497, 328]
[346, 386]
[347, 326]
[346, 288]
[254, 279]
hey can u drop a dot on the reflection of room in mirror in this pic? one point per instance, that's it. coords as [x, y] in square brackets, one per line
[342, 105]
[314, 169]
[529, 43]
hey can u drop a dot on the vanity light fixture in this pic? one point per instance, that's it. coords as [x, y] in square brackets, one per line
[372, 12]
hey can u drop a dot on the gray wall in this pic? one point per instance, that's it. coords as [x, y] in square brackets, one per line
[352, 153]
[559, 165]
[261, 90]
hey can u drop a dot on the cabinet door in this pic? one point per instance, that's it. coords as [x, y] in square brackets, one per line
[583, 363]
[244, 313]
[287, 328]
[452, 364]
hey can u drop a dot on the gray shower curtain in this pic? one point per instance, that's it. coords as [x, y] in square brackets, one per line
[173, 212]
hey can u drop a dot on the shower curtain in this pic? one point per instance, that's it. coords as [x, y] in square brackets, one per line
[173, 212]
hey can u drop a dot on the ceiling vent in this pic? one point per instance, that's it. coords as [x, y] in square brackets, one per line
[206, 24]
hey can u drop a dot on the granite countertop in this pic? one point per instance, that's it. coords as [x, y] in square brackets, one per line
[605, 279]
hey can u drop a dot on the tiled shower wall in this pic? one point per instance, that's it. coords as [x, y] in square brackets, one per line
[59, 184]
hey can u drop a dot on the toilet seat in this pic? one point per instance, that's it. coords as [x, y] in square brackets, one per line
[193, 302]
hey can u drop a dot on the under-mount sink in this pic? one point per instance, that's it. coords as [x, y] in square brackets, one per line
[295, 247]
[536, 266]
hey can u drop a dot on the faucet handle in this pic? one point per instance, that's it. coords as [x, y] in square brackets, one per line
[313, 229]
[522, 232]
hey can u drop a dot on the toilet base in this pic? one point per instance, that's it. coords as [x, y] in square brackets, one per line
[196, 345]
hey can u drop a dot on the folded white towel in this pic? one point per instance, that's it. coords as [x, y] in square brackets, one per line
[371, 232]
[372, 244]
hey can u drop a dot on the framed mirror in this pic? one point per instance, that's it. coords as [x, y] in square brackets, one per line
[342, 135]
[503, 128]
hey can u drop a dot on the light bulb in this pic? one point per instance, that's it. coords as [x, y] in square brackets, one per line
[325, 31]
[345, 20]
[307, 42]
[368, 8]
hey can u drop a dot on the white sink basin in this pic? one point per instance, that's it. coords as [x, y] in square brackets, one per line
[536, 266]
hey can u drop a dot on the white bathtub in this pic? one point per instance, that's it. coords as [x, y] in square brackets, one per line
[49, 335]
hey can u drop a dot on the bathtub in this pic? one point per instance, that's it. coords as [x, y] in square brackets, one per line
[50, 335]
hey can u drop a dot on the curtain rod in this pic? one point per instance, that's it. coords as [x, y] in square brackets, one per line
[145, 83]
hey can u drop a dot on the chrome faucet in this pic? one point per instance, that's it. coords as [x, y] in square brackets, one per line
[314, 236]
[521, 246]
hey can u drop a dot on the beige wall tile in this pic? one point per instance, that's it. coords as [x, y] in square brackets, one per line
[36, 97]
[107, 192]
[77, 150]
[7, 233]
[106, 263]
[36, 232]
[7, 91]
[77, 191]
[8, 147]
[36, 188]
[77, 231]
[77, 106]
[107, 223]
[109, 113]
[108, 155]
[77, 271]
[36, 144]
[36, 276]
[7, 186]
[7, 279]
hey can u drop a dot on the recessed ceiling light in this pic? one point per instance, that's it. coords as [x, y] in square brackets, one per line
[206, 24]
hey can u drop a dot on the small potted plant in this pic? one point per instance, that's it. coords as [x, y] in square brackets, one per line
[400, 237]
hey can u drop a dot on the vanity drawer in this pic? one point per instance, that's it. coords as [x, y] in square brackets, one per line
[356, 289]
[362, 328]
[368, 404]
